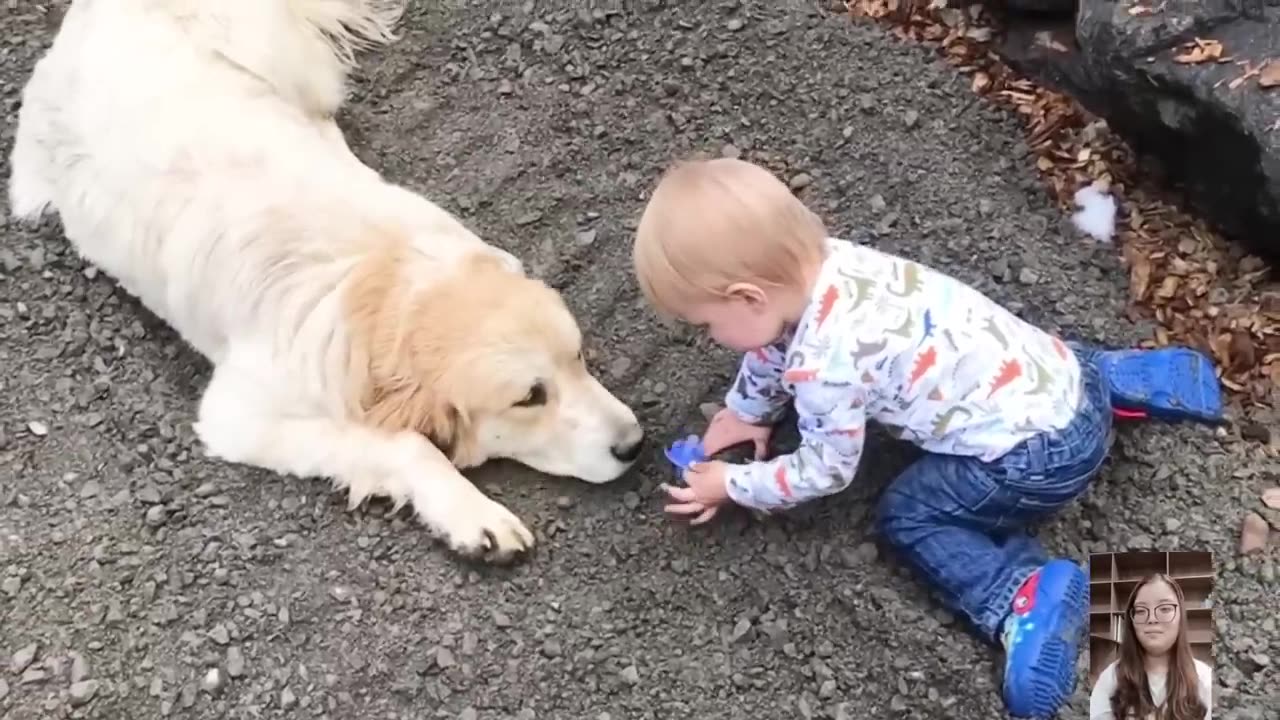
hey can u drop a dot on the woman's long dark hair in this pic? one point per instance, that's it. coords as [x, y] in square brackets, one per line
[1132, 697]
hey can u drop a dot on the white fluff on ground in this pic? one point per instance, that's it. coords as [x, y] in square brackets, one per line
[1097, 216]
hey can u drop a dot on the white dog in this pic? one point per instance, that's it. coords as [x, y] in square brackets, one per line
[357, 331]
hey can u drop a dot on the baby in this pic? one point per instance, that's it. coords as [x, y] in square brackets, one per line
[1013, 421]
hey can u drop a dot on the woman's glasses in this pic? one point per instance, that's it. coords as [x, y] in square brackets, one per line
[1163, 613]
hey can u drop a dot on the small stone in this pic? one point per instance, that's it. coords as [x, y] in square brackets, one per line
[235, 661]
[1253, 533]
[527, 714]
[735, 24]
[910, 118]
[82, 692]
[444, 658]
[220, 634]
[79, 668]
[468, 713]
[740, 630]
[730, 151]
[213, 681]
[529, 218]
[564, 502]
[148, 494]
[90, 489]
[4, 689]
[287, 699]
[630, 500]
[898, 703]
[206, 490]
[21, 659]
[631, 675]
[867, 552]
[800, 181]
[1172, 524]
[38, 428]
[551, 648]
[1027, 276]
[878, 205]
[501, 619]
[11, 586]
[156, 516]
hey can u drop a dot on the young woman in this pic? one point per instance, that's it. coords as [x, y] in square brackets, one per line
[1156, 677]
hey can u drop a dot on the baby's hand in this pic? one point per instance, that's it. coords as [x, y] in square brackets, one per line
[727, 430]
[707, 490]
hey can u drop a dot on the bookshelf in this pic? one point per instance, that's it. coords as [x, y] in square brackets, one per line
[1113, 576]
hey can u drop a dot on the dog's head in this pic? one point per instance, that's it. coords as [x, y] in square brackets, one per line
[487, 363]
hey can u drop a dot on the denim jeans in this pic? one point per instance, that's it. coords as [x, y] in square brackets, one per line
[961, 523]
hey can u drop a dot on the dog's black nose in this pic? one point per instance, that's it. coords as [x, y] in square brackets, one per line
[628, 452]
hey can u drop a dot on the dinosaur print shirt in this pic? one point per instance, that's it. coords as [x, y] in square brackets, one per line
[927, 357]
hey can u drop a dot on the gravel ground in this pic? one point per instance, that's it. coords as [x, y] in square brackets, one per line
[140, 581]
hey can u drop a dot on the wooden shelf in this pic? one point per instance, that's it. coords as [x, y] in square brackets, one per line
[1113, 578]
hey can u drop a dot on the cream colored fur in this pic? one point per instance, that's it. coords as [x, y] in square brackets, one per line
[357, 330]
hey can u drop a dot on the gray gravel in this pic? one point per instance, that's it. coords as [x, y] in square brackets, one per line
[139, 581]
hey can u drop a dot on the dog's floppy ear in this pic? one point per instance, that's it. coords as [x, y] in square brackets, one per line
[410, 407]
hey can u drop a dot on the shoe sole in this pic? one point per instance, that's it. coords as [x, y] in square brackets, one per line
[1050, 679]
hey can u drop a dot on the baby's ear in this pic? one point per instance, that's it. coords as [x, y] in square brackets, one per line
[749, 293]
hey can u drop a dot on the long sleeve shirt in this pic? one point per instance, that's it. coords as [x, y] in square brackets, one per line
[927, 357]
[1105, 687]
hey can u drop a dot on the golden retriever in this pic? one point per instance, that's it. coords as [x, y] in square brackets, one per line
[357, 331]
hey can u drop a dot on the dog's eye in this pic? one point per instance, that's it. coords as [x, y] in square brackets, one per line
[537, 396]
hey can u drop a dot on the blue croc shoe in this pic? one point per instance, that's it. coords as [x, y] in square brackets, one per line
[1041, 639]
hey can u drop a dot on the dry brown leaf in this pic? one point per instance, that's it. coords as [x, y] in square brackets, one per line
[1271, 498]
[1201, 51]
[1270, 75]
[1253, 533]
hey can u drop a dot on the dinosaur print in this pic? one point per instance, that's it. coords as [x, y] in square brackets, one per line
[994, 330]
[800, 375]
[923, 364]
[828, 303]
[868, 350]
[1060, 348]
[780, 477]
[1010, 370]
[1043, 378]
[944, 419]
[911, 280]
[904, 330]
[860, 290]
[889, 341]
[928, 326]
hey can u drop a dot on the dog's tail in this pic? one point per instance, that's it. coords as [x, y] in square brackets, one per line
[302, 48]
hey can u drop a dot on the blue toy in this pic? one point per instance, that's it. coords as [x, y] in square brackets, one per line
[683, 453]
[1170, 384]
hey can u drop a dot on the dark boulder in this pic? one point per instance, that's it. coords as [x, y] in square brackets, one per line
[1219, 140]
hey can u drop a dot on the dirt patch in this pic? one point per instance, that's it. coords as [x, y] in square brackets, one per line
[249, 596]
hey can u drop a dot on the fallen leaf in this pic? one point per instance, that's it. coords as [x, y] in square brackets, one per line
[1253, 533]
[1201, 51]
[1270, 75]
[1271, 498]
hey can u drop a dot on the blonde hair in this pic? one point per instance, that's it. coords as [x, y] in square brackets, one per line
[711, 223]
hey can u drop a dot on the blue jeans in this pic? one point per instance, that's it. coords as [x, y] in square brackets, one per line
[960, 522]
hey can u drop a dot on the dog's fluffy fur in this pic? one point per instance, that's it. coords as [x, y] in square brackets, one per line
[357, 330]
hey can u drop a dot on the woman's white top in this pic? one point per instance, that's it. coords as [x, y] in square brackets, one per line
[1100, 699]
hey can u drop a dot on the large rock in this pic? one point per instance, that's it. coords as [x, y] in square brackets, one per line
[1221, 143]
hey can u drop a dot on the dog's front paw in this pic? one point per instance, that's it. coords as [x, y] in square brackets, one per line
[485, 530]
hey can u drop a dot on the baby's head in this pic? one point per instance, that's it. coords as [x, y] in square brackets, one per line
[725, 245]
